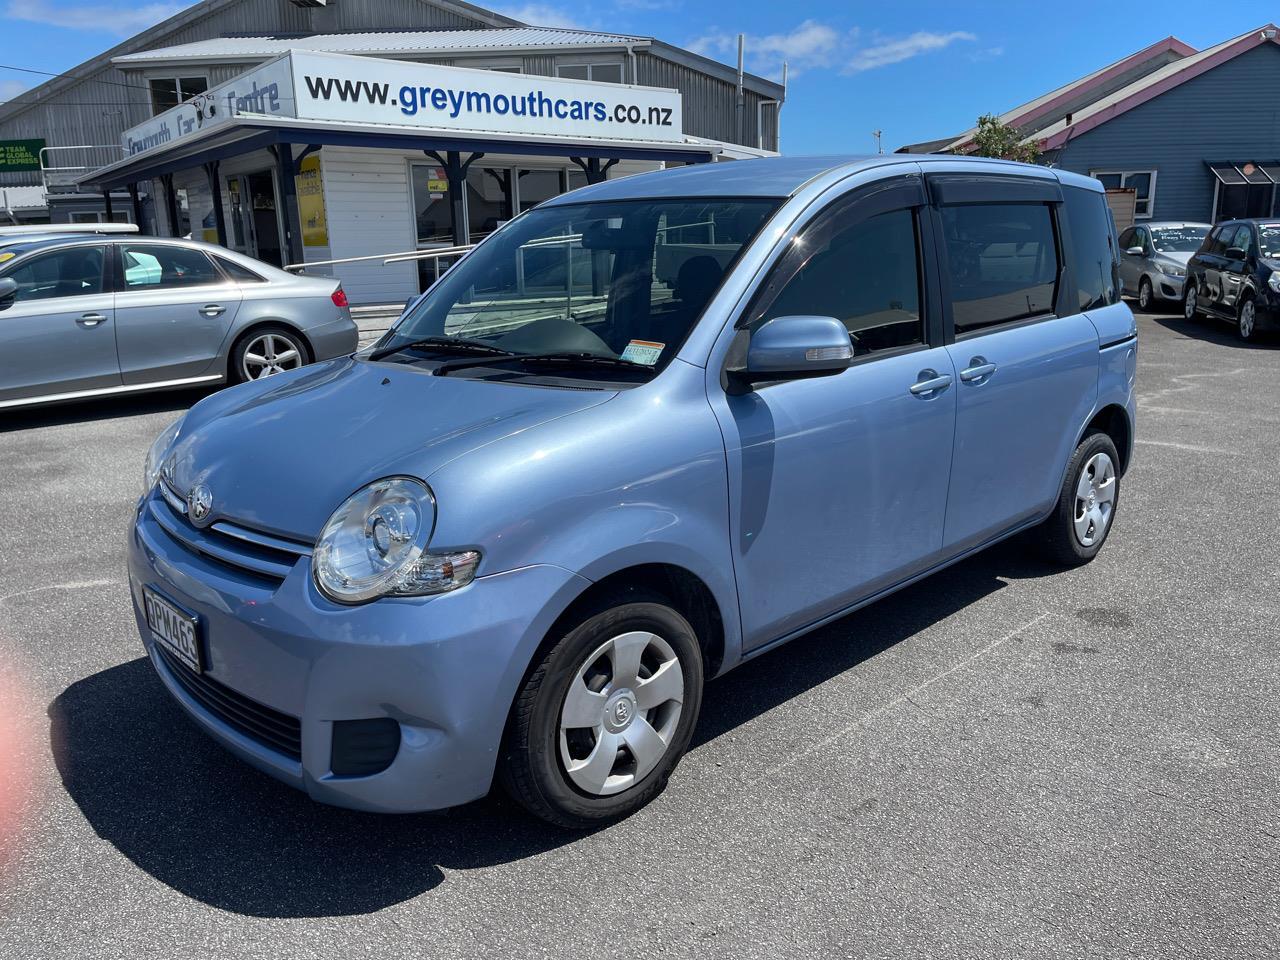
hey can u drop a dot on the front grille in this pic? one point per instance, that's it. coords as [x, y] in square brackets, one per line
[271, 728]
[261, 554]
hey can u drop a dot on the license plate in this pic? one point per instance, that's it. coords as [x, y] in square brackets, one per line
[175, 628]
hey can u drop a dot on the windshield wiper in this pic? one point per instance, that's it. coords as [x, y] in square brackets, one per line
[444, 345]
[551, 359]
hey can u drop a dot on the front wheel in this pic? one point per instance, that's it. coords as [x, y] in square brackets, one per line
[1247, 320]
[603, 719]
[1191, 302]
[1087, 502]
[1146, 296]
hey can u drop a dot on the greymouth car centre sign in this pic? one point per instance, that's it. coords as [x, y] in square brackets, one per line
[306, 85]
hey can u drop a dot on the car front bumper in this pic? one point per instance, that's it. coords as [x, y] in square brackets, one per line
[445, 668]
[1167, 287]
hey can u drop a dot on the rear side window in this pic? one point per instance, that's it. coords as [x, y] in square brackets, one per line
[1003, 260]
[238, 273]
[865, 274]
[1091, 257]
[164, 267]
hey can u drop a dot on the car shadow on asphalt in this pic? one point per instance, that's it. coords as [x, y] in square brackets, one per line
[88, 411]
[1211, 330]
[213, 828]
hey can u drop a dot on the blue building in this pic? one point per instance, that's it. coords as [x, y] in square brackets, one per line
[1188, 131]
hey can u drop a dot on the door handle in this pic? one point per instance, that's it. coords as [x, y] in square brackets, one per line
[978, 371]
[930, 383]
[212, 310]
[91, 319]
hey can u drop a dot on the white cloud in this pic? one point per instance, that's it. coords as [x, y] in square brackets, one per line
[885, 52]
[121, 19]
[808, 46]
[537, 14]
[11, 88]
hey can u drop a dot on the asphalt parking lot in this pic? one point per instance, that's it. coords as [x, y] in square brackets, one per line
[1004, 760]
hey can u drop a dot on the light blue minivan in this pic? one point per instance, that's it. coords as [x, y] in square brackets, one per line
[644, 432]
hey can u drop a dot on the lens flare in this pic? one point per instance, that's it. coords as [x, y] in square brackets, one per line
[17, 765]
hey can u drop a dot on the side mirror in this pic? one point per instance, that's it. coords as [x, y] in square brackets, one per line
[8, 291]
[1135, 251]
[1235, 253]
[794, 348]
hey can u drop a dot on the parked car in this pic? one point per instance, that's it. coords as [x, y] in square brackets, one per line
[96, 316]
[640, 435]
[1233, 276]
[1153, 260]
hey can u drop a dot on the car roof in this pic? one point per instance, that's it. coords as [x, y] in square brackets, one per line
[778, 177]
[1174, 223]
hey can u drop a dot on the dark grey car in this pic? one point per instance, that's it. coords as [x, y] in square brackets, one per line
[95, 316]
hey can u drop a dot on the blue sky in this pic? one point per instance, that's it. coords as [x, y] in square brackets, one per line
[916, 71]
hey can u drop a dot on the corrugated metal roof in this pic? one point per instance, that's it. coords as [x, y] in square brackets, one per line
[385, 44]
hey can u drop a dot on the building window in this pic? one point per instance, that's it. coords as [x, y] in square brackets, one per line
[598, 72]
[168, 92]
[1141, 182]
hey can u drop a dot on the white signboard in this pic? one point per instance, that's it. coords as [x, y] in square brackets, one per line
[328, 86]
[332, 86]
[268, 90]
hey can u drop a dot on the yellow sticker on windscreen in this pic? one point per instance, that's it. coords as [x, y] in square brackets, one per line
[6, 256]
[643, 351]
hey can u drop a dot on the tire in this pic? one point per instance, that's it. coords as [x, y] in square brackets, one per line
[287, 351]
[1080, 523]
[1190, 302]
[1146, 296]
[555, 731]
[1247, 320]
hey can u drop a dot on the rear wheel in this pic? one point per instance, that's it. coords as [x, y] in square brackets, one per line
[1087, 502]
[265, 352]
[1146, 296]
[604, 718]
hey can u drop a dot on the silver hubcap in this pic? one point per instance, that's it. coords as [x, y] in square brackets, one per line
[621, 713]
[269, 354]
[1095, 499]
[1144, 295]
[1191, 303]
[1246, 319]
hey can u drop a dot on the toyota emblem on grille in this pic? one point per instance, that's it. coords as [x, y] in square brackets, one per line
[199, 504]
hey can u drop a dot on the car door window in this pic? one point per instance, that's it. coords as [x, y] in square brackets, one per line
[163, 267]
[1003, 261]
[865, 274]
[1243, 239]
[64, 273]
[1217, 245]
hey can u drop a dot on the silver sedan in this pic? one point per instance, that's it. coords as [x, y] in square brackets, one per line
[1153, 259]
[96, 316]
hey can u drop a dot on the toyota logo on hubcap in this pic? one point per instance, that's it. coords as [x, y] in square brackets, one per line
[199, 503]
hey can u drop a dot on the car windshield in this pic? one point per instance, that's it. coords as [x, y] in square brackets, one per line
[623, 281]
[1178, 239]
[1269, 240]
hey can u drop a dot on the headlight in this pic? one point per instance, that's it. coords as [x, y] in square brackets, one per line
[1173, 270]
[1273, 281]
[375, 545]
[156, 455]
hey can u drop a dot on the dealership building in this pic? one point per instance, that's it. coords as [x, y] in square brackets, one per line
[1187, 133]
[305, 132]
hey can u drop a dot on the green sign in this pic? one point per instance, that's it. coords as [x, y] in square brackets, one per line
[20, 156]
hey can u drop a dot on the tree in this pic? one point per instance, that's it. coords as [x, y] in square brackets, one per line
[996, 139]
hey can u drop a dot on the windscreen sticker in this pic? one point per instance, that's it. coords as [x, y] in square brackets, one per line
[643, 351]
[6, 256]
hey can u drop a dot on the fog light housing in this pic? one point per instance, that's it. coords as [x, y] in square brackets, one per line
[362, 748]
